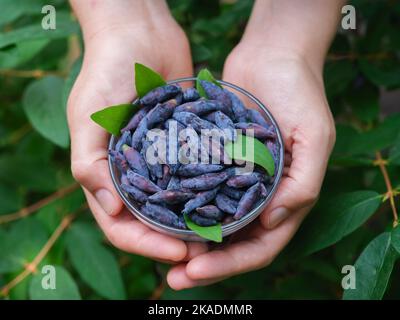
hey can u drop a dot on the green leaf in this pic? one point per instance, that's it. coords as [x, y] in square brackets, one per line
[338, 217]
[364, 102]
[65, 27]
[69, 82]
[10, 199]
[252, 150]
[351, 142]
[114, 118]
[95, 264]
[146, 79]
[200, 53]
[373, 269]
[21, 53]
[17, 170]
[43, 106]
[394, 153]
[338, 76]
[13, 9]
[213, 233]
[205, 74]
[383, 73]
[21, 244]
[65, 289]
[396, 238]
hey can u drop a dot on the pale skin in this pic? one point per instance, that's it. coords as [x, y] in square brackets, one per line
[279, 60]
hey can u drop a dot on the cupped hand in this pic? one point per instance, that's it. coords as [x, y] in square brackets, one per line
[293, 91]
[107, 78]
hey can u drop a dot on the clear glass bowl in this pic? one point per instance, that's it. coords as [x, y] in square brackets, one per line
[250, 102]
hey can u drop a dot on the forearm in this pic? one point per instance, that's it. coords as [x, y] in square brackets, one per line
[98, 15]
[302, 27]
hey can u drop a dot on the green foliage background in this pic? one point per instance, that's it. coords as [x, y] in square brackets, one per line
[351, 224]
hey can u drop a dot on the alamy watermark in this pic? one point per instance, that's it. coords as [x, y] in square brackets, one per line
[349, 18]
[49, 277]
[49, 20]
[349, 280]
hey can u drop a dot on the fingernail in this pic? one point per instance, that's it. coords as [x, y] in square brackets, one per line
[106, 200]
[277, 216]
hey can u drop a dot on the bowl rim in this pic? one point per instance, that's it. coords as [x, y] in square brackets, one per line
[230, 227]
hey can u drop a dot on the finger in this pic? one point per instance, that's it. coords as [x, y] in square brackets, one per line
[195, 249]
[130, 235]
[257, 252]
[178, 279]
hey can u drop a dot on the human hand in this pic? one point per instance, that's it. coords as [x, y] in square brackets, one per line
[144, 33]
[293, 91]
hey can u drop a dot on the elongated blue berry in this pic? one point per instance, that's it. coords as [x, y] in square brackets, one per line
[210, 211]
[192, 170]
[142, 183]
[225, 203]
[248, 201]
[160, 94]
[135, 193]
[200, 200]
[171, 196]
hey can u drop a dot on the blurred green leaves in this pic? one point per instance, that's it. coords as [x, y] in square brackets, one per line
[362, 66]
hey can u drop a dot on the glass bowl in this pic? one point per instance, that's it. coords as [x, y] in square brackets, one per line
[250, 102]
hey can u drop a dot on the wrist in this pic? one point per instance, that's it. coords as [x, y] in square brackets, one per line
[107, 17]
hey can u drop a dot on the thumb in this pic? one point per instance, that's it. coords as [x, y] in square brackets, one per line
[89, 142]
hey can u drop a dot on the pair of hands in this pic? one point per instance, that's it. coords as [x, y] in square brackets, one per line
[291, 89]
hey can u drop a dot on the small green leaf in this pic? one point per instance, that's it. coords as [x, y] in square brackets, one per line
[205, 74]
[373, 269]
[94, 263]
[340, 216]
[146, 79]
[114, 118]
[396, 238]
[252, 150]
[213, 233]
[65, 287]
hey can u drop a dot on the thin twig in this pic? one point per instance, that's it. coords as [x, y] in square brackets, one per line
[38, 205]
[353, 56]
[29, 73]
[389, 194]
[159, 290]
[32, 266]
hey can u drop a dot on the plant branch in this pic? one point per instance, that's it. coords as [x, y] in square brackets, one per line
[158, 291]
[390, 192]
[353, 56]
[38, 205]
[32, 266]
[29, 73]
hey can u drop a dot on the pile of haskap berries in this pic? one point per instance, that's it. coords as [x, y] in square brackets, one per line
[172, 162]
